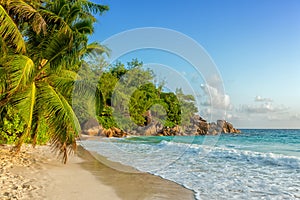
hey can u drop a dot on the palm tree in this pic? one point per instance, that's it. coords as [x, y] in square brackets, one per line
[39, 82]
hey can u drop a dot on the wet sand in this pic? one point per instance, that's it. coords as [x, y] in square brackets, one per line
[130, 184]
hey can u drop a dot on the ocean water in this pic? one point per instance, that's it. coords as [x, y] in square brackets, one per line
[257, 164]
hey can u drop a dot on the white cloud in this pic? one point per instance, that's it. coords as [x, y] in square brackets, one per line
[284, 117]
[261, 99]
[215, 98]
[264, 113]
[266, 107]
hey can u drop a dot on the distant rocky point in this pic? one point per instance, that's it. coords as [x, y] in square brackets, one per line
[197, 126]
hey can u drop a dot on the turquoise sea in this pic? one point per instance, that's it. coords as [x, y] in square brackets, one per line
[257, 164]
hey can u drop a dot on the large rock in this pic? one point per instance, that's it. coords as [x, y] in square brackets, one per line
[150, 130]
[113, 132]
[92, 128]
[221, 123]
[203, 128]
[95, 131]
[197, 118]
[227, 127]
[167, 131]
[199, 126]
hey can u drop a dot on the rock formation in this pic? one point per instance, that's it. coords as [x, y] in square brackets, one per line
[197, 126]
[92, 128]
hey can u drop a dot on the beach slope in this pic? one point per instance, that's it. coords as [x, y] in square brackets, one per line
[38, 174]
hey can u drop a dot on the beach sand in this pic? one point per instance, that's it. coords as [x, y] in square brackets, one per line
[38, 174]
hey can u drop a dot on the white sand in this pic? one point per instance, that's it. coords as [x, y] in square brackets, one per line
[47, 178]
[71, 182]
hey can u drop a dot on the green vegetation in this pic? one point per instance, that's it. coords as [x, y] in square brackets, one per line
[11, 126]
[42, 46]
[129, 98]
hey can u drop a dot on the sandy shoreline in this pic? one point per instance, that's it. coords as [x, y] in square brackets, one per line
[38, 174]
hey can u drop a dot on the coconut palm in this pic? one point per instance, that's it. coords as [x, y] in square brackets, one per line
[39, 82]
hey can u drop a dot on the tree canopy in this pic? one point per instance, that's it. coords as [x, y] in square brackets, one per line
[130, 97]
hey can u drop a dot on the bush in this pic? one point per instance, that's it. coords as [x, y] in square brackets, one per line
[13, 126]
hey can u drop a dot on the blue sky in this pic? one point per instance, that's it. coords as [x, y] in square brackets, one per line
[255, 45]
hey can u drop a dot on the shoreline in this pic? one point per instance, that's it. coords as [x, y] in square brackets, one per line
[130, 183]
[39, 174]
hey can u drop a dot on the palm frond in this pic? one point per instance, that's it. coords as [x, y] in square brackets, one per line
[25, 11]
[64, 82]
[34, 3]
[93, 50]
[91, 7]
[9, 31]
[68, 74]
[73, 14]
[55, 49]
[62, 120]
[84, 26]
[57, 22]
[20, 69]
[87, 15]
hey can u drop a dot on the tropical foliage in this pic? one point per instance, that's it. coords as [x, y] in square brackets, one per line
[42, 46]
[129, 97]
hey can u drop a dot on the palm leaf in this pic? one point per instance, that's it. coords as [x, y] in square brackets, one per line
[20, 70]
[64, 82]
[73, 14]
[84, 26]
[62, 121]
[55, 49]
[56, 21]
[91, 7]
[96, 49]
[27, 12]
[9, 31]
